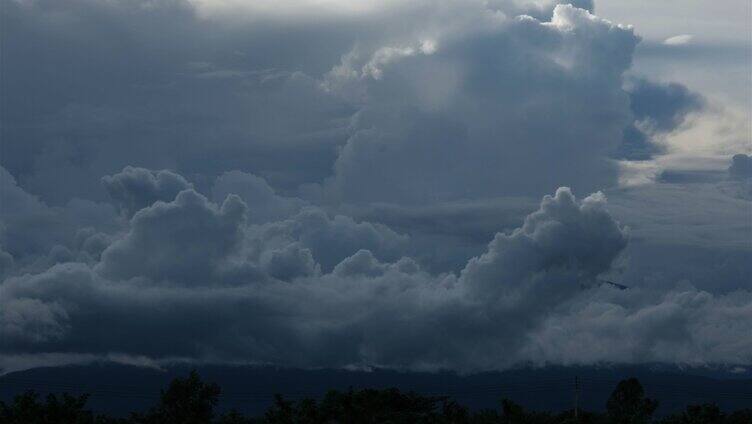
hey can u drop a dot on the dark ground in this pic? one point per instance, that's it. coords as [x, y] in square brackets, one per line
[119, 389]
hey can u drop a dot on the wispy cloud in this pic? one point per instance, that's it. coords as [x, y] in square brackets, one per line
[679, 40]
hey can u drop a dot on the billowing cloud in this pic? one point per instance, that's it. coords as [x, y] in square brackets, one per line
[317, 183]
[561, 237]
[254, 190]
[513, 304]
[685, 325]
[740, 177]
[133, 189]
[330, 239]
[741, 167]
[179, 241]
[408, 148]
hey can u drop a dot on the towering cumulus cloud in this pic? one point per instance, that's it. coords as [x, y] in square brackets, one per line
[343, 183]
[165, 291]
[493, 103]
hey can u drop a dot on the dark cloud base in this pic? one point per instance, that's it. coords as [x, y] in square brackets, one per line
[189, 278]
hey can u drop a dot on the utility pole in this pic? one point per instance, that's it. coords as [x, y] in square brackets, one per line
[576, 398]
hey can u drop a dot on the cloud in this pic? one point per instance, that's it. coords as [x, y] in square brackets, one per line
[384, 56]
[739, 175]
[741, 167]
[658, 109]
[180, 241]
[688, 230]
[532, 296]
[266, 205]
[407, 149]
[684, 326]
[561, 237]
[133, 189]
[330, 240]
[443, 236]
[678, 40]
[363, 263]
[28, 223]
[338, 10]
[30, 319]
[318, 188]
[662, 107]
[271, 119]
[6, 263]
[515, 301]
[29, 228]
[719, 222]
[290, 262]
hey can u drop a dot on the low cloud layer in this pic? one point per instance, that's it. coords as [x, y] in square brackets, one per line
[357, 185]
[193, 279]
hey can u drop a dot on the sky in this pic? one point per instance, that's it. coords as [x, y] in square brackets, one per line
[416, 185]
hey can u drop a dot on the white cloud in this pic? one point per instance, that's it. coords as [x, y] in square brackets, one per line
[679, 40]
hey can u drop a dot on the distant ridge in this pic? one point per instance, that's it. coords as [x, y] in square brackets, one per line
[119, 389]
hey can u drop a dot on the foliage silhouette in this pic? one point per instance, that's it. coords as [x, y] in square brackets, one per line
[708, 413]
[190, 400]
[186, 401]
[628, 404]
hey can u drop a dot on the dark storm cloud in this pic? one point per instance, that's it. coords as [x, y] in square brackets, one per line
[663, 107]
[90, 87]
[468, 116]
[28, 224]
[332, 239]
[516, 302]
[740, 176]
[475, 220]
[133, 189]
[444, 235]
[319, 189]
[658, 109]
[180, 241]
[29, 228]
[741, 167]
[268, 206]
[6, 263]
[636, 145]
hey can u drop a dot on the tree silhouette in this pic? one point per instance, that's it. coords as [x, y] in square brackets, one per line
[190, 400]
[742, 416]
[186, 401]
[235, 417]
[27, 408]
[628, 404]
[708, 413]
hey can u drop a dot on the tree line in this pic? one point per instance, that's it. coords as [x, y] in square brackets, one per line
[190, 400]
